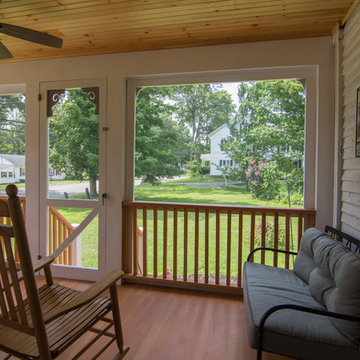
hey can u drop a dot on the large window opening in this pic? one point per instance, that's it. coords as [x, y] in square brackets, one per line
[221, 143]
[219, 170]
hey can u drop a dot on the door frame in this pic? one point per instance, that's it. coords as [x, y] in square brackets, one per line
[73, 272]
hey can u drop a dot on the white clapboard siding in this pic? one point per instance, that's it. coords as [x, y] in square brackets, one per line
[350, 187]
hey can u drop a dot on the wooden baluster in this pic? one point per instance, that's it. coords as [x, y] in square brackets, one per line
[263, 235]
[23, 202]
[287, 239]
[65, 232]
[60, 239]
[165, 222]
[185, 243]
[196, 249]
[125, 239]
[155, 215]
[135, 244]
[217, 250]
[312, 220]
[206, 247]
[51, 248]
[300, 227]
[306, 221]
[54, 235]
[240, 246]
[228, 250]
[276, 238]
[145, 242]
[252, 233]
[175, 234]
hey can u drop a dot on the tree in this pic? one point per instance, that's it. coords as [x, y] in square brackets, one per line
[74, 138]
[268, 132]
[202, 109]
[160, 148]
[12, 124]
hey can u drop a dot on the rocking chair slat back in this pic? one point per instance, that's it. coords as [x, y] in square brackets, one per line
[11, 297]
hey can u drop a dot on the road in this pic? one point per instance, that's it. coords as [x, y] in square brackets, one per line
[57, 190]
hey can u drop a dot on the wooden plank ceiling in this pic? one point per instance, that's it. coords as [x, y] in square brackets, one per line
[90, 27]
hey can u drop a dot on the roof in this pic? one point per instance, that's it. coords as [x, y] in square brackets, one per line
[17, 160]
[218, 129]
[90, 27]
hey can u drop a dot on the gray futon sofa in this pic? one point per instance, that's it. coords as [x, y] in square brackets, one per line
[300, 313]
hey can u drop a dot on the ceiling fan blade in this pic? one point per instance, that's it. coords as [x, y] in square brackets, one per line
[31, 35]
[4, 52]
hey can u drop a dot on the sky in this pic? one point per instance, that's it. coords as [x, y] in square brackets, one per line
[231, 88]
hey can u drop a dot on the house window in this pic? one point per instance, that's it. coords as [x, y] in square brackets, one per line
[231, 163]
[4, 174]
[10, 174]
[22, 171]
[297, 163]
[220, 162]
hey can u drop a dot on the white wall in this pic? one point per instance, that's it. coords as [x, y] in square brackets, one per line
[311, 56]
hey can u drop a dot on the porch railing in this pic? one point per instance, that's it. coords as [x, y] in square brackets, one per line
[59, 230]
[205, 245]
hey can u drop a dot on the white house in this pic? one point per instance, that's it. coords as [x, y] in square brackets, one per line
[217, 156]
[12, 169]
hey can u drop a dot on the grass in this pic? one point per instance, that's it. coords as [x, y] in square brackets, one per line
[19, 185]
[89, 237]
[173, 192]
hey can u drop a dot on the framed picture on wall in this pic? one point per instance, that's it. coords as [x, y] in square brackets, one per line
[357, 135]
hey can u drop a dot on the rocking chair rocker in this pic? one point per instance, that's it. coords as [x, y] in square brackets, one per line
[45, 322]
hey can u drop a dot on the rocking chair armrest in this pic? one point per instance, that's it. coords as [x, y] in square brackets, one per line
[86, 296]
[42, 263]
[39, 265]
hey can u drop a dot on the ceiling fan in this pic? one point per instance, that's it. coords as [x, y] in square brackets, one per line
[28, 35]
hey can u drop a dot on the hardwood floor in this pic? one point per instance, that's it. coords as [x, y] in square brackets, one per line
[171, 324]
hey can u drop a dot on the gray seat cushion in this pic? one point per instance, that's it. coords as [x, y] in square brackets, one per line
[333, 275]
[289, 332]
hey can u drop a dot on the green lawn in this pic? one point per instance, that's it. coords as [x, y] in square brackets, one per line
[89, 237]
[172, 192]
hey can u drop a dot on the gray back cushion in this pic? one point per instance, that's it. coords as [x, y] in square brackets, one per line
[333, 275]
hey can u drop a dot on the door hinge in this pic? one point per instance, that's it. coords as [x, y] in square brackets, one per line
[39, 97]
[39, 257]
[105, 128]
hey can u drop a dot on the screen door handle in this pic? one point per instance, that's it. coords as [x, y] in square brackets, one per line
[103, 197]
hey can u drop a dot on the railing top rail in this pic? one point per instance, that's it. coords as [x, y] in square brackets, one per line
[217, 208]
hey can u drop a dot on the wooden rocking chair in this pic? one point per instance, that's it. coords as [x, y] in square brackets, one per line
[52, 317]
